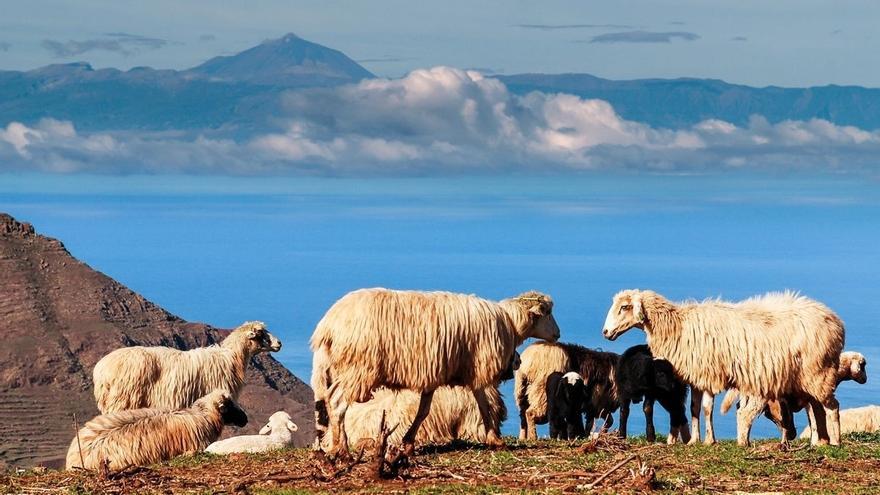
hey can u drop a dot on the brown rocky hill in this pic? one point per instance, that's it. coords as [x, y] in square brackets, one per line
[58, 317]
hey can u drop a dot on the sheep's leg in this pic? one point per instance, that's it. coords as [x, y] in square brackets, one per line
[820, 434]
[338, 407]
[811, 424]
[492, 437]
[409, 438]
[832, 414]
[708, 402]
[648, 408]
[532, 433]
[745, 416]
[696, 398]
[589, 422]
[523, 421]
[609, 421]
[624, 417]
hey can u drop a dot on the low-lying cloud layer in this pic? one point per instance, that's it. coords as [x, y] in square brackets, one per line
[444, 120]
[122, 43]
[644, 37]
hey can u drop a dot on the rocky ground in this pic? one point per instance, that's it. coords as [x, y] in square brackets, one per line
[604, 465]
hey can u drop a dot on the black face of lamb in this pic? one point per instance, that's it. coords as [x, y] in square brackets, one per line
[233, 415]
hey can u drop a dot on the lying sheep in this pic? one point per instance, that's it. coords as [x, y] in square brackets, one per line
[454, 415]
[163, 377]
[418, 341]
[853, 366]
[544, 364]
[855, 420]
[566, 407]
[277, 434]
[640, 375]
[770, 346]
[140, 437]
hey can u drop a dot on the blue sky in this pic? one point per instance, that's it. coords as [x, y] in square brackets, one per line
[784, 42]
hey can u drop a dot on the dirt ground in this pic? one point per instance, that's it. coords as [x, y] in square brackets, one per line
[604, 465]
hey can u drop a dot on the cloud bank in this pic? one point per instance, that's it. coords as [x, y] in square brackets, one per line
[644, 37]
[123, 43]
[440, 121]
[553, 27]
[5, 46]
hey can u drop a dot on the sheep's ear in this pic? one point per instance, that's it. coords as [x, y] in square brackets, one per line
[291, 425]
[638, 312]
[265, 430]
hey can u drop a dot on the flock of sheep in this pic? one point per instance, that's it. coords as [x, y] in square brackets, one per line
[428, 365]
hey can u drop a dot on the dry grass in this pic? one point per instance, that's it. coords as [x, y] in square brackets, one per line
[543, 467]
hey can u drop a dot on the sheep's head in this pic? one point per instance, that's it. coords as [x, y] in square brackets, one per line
[279, 421]
[258, 337]
[541, 324]
[222, 402]
[626, 312]
[571, 392]
[857, 366]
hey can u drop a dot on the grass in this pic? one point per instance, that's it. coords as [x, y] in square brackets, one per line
[522, 467]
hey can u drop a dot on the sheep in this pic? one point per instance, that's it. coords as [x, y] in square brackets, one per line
[855, 420]
[163, 377]
[419, 341]
[454, 415]
[544, 364]
[640, 375]
[277, 434]
[768, 347]
[853, 366]
[140, 437]
[566, 407]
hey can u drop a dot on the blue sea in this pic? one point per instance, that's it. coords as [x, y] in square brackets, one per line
[224, 250]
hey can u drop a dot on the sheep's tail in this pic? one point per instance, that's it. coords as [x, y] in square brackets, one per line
[729, 398]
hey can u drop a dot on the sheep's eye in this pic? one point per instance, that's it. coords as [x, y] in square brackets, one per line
[625, 307]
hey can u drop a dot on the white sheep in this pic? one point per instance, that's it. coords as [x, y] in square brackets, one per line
[140, 437]
[419, 341]
[164, 377]
[855, 420]
[277, 434]
[768, 347]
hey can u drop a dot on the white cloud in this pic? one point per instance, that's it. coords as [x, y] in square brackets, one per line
[444, 120]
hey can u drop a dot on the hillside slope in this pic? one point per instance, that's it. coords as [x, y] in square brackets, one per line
[58, 317]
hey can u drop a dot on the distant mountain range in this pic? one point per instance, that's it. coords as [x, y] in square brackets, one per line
[242, 92]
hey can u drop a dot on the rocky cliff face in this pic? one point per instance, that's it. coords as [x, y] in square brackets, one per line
[58, 317]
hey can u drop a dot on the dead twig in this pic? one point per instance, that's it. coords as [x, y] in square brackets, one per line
[606, 474]
[82, 462]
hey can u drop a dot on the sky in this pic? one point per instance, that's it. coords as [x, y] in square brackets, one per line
[784, 42]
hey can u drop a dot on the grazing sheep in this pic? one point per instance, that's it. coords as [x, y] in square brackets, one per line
[641, 376]
[855, 420]
[768, 347]
[544, 364]
[163, 377]
[853, 366]
[566, 407]
[277, 434]
[139, 437]
[454, 415]
[419, 341]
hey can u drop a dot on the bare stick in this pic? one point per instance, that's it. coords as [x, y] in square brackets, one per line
[608, 473]
[82, 462]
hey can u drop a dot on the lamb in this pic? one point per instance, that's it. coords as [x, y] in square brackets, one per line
[768, 347]
[163, 377]
[855, 420]
[853, 366]
[419, 341]
[544, 364]
[139, 437]
[565, 412]
[640, 375]
[277, 434]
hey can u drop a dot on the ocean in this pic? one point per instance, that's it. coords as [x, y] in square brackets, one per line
[223, 250]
